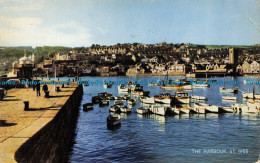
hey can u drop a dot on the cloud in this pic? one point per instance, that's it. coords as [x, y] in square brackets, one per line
[31, 31]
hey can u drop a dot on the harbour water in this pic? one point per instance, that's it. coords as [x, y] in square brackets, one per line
[152, 138]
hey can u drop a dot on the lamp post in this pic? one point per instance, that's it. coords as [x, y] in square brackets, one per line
[55, 75]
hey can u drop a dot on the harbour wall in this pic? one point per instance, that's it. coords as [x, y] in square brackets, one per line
[54, 141]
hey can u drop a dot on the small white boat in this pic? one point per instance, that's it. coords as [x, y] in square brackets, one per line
[227, 109]
[142, 110]
[147, 100]
[228, 90]
[119, 102]
[126, 97]
[164, 98]
[131, 102]
[207, 107]
[227, 98]
[123, 88]
[125, 109]
[184, 110]
[113, 120]
[251, 95]
[199, 97]
[242, 108]
[160, 110]
[176, 110]
[198, 109]
[114, 108]
[200, 85]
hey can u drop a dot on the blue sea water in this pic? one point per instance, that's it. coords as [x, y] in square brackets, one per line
[152, 138]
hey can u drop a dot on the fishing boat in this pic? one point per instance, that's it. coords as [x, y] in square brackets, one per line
[184, 110]
[126, 97]
[104, 94]
[122, 88]
[177, 85]
[199, 97]
[164, 98]
[107, 84]
[242, 108]
[131, 102]
[227, 109]
[125, 109]
[88, 107]
[119, 98]
[138, 90]
[114, 108]
[251, 95]
[175, 110]
[200, 83]
[119, 102]
[208, 107]
[130, 84]
[113, 120]
[147, 100]
[228, 90]
[142, 110]
[181, 98]
[227, 98]
[198, 109]
[159, 110]
[95, 99]
[103, 102]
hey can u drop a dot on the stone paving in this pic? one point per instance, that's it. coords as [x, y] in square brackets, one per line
[17, 125]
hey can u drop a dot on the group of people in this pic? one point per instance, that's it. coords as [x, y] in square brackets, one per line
[38, 88]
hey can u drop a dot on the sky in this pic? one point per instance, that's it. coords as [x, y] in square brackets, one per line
[77, 23]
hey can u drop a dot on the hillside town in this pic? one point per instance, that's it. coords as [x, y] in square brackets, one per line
[142, 60]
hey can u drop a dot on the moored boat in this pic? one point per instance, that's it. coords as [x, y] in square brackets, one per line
[88, 107]
[125, 109]
[142, 110]
[181, 98]
[185, 110]
[242, 108]
[199, 97]
[95, 99]
[104, 94]
[251, 95]
[147, 100]
[227, 98]
[207, 107]
[114, 108]
[164, 98]
[103, 102]
[228, 90]
[113, 120]
[159, 110]
[126, 97]
[119, 102]
[118, 98]
[198, 109]
[131, 102]
[138, 91]
[123, 88]
[227, 109]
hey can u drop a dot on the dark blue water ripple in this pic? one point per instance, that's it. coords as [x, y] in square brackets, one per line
[155, 138]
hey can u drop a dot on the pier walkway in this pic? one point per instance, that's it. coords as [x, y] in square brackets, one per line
[17, 125]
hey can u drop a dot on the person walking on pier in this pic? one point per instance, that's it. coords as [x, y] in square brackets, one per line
[38, 89]
[45, 88]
